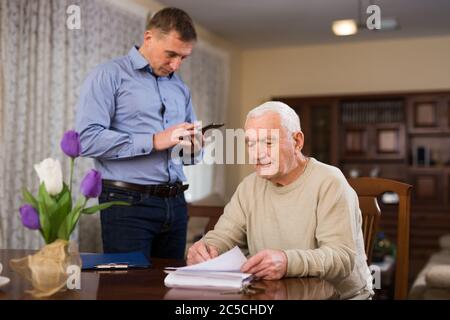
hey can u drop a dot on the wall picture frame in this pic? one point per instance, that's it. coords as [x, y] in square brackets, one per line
[425, 114]
[388, 141]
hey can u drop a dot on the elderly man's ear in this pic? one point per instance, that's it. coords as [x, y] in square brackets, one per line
[299, 139]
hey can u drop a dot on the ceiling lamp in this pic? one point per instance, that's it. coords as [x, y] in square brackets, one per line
[344, 27]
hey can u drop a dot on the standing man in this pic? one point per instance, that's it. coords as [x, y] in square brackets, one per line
[132, 111]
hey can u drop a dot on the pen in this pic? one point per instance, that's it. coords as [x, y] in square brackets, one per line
[112, 266]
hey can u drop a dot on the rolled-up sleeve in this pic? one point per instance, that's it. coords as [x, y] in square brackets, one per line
[95, 110]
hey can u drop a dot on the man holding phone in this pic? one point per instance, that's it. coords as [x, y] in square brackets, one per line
[132, 112]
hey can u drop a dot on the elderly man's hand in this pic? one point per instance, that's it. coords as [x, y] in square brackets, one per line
[267, 264]
[200, 252]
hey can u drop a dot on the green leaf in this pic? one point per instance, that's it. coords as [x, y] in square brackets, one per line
[63, 230]
[81, 202]
[75, 221]
[63, 191]
[49, 202]
[65, 203]
[61, 212]
[68, 224]
[44, 221]
[65, 200]
[52, 212]
[104, 206]
[28, 198]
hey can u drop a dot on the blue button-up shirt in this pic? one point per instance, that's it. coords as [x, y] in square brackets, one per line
[122, 105]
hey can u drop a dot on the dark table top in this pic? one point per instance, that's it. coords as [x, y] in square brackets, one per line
[148, 284]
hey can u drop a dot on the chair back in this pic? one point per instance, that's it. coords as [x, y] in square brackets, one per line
[368, 189]
[213, 214]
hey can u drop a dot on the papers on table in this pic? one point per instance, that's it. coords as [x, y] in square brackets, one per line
[222, 272]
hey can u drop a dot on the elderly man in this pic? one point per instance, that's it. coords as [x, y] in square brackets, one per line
[298, 217]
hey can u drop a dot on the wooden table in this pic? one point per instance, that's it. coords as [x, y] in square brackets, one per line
[148, 284]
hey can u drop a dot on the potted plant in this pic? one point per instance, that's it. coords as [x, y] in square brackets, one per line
[55, 216]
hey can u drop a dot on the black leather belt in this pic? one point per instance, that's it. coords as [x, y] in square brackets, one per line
[160, 190]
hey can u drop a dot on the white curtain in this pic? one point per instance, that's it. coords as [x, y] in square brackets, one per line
[43, 66]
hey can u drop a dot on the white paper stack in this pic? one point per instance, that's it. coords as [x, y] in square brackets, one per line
[220, 273]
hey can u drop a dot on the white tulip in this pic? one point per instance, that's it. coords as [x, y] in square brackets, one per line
[50, 173]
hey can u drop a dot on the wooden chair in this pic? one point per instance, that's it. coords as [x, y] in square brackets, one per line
[211, 212]
[368, 189]
[210, 207]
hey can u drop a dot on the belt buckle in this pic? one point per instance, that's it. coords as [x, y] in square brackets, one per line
[172, 190]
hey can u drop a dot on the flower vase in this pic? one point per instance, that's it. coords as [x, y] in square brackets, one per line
[47, 269]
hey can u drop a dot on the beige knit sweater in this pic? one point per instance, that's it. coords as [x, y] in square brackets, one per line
[315, 220]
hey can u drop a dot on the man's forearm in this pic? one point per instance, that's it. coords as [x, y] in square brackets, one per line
[100, 143]
[328, 262]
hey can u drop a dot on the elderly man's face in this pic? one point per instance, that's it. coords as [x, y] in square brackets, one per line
[269, 146]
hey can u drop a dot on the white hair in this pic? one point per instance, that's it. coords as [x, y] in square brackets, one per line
[288, 117]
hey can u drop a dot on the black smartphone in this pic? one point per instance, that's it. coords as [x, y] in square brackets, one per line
[212, 126]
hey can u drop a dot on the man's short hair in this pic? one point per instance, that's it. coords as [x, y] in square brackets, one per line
[288, 117]
[173, 19]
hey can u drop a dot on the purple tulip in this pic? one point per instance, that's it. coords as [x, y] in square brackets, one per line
[91, 186]
[30, 217]
[70, 144]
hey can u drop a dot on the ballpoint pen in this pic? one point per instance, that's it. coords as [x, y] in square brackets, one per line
[117, 265]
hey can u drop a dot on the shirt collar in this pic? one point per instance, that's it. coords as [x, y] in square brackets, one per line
[139, 62]
[137, 59]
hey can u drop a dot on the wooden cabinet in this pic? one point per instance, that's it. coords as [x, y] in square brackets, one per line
[448, 113]
[429, 113]
[355, 142]
[375, 169]
[428, 186]
[372, 129]
[448, 189]
[429, 149]
[390, 141]
[373, 141]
